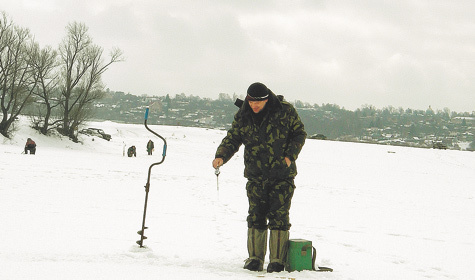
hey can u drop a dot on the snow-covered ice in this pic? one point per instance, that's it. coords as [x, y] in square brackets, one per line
[373, 212]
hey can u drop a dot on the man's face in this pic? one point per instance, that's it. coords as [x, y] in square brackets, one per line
[257, 106]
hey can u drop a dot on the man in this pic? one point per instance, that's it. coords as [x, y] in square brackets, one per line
[273, 135]
[150, 147]
[132, 151]
[30, 146]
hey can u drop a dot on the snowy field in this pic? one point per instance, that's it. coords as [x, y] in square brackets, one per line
[373, 212]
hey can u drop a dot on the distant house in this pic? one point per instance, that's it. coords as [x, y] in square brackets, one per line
[318, 136]
[470, 121]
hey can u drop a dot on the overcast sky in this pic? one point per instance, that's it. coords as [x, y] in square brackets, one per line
[405, 53]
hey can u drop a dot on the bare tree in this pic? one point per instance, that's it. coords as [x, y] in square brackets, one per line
[47, 95]
[82, 67]
[17, 79]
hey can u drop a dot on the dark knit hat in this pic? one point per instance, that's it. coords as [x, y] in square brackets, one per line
[257, 92]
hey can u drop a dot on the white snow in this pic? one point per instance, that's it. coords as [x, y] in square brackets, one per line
[373, 212]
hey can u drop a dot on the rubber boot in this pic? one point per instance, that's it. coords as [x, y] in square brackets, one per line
[257, 248]
[278, 243]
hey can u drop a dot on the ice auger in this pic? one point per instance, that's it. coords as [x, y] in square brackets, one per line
[147, 186]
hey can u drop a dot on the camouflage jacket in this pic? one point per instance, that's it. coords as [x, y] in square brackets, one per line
[281, 134]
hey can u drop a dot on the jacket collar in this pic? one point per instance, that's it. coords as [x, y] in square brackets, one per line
[273, 103]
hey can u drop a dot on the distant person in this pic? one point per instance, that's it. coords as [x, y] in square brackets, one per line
[150, 147]
[30, 146]
[132, 152]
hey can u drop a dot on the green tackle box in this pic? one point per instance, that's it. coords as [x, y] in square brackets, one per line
[299, 255]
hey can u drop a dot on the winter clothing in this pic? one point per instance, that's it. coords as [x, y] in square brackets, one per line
[269, 199]
[280, 134]
[257, 91]
[256, 247]
[132, 152]
[278, 249]
[150, 147]
[253, 264]
[272, 136]
[275, 267]
[30, 146]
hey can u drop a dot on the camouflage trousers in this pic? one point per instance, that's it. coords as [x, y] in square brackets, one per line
[269, 200]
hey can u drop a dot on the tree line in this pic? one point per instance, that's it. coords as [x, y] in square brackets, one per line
[58, 84]
[365, 124]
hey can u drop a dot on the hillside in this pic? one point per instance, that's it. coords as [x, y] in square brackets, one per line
[388, 126]
[373, 212]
